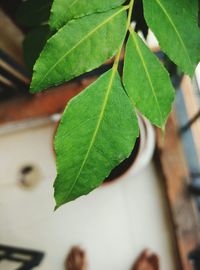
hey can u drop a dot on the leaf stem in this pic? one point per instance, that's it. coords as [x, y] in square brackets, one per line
[117, 58]
[129, 13]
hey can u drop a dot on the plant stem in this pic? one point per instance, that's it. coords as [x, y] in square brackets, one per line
[117, 58]
[129, 14]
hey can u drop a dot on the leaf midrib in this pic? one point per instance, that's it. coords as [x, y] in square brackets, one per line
[101, 115]
[81, 41]
[175, 29]
[147, 73]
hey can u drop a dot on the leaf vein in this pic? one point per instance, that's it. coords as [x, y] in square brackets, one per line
[105, 101]
[146, 72]
[73, 3]
[175, 29]
[79, 43]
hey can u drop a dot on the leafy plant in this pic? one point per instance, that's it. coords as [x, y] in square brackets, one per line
[99, 127]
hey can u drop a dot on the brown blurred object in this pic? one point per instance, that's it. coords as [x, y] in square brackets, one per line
[147, 261]
[76, 259]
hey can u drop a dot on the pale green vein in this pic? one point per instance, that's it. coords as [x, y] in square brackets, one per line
[146, 72]
[73, 3]
[101, 115]
[79, 43]
[175, 29]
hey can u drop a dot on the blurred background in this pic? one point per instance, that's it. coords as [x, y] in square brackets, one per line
[149, 202]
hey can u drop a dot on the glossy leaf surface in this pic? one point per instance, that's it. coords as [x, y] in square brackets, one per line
[78, 47]
[147, 82]
[97, 131]
[65, 10]
[175, 24]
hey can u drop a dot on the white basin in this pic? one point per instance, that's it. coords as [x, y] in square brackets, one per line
[113, 224]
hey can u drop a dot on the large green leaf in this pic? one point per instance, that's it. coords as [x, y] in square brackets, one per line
[64, 10]
[33, 12]
[175, 25]
[78, 47]
[147, 82]
[97, 131]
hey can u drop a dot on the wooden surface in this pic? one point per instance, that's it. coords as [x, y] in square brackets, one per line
[11, 38]
[191, 99]
[40, 105]
[182, 207]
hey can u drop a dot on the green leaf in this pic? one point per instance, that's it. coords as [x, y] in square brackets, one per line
[78, 47]
[33, 12]
[34, 43]
[65, 10]
[175, 24]
[147, 82]
[97, 131]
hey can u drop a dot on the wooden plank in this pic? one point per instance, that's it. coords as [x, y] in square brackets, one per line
[183, 209]
[192, 107]
[11, 38]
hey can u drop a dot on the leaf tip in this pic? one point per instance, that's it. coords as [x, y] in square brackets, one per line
[56, 207]
[58, 203]
[32, 90]
[163, 128]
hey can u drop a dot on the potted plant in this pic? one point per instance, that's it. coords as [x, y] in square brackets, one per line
[99, 127]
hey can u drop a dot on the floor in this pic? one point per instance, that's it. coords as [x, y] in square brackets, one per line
[113, 224]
